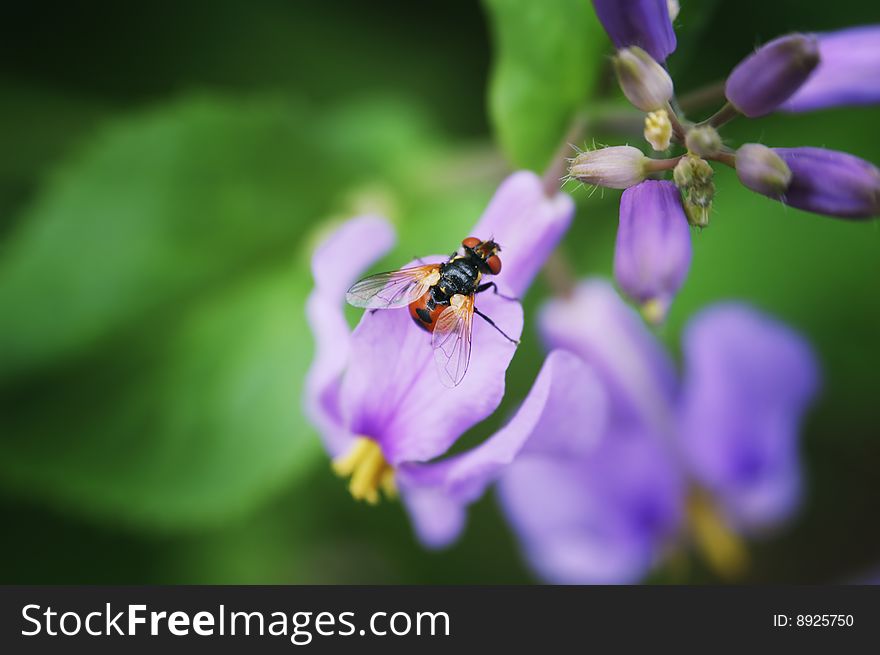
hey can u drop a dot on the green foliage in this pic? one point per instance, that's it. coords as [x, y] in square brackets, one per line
[547, 60]
[153, 317]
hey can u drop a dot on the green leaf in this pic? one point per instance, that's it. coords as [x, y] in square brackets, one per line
[153, 332]
[187, 425]
[156, 210]
[547, 60]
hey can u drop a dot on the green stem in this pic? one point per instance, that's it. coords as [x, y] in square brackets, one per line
[721, 117]
[698, 98]
[657, 165]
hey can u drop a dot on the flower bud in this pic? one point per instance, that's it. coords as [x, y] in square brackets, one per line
[616, 167]
[767, 78]
[703, 141]
[698, 211]
[653, 251]
[762, 170]
[644, 82]
[658, 129]
[692, 171]
[848, 72]
[644, 23]
[832, 183]
[694, 176]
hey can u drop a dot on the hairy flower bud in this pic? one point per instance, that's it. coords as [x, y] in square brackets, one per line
[645, 23]
[616, 167]
[762, 170]
[832, 183]
[658, 129]
[703, 141]
[653, 251]
[644, 82]
[770, 76]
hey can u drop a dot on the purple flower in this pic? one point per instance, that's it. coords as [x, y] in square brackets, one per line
[767, 78]
[653, 252]
[643, 23]
[832, 183]
[374, 393]
[729, 425]
[848, 71]
[747, 381]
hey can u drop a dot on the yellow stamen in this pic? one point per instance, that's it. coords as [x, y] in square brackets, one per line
[368, 469]
[658, 129]
[654, 311]
[721, 547]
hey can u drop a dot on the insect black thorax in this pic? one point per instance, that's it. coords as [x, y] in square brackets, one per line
[459, 275]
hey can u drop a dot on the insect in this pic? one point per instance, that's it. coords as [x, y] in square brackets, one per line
[440, 298]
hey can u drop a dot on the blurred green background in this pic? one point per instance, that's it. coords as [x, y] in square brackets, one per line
[165, 170]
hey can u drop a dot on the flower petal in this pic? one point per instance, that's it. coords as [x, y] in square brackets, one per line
[652, 255]
[831, 182]
[848, 71]
[336, 263]
[597, 325]
[748, 381]
[391, 391]
[437, 518]
[527, 223]
[602, 518]
[645, 23]
[562, 416]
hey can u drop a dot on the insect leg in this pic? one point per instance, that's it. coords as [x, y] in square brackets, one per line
[492, 323]
[494, 287]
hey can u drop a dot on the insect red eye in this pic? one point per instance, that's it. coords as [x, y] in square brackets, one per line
[471, 242]
[494, 264]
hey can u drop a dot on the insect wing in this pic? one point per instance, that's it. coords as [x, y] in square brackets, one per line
[452, 340]
[394, 288]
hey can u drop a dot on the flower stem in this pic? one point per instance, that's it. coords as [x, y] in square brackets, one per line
[559, 274]
[721, 117]
[678, 130]
[555, 173]
[725, 157]
[657, 165]
[706, 95]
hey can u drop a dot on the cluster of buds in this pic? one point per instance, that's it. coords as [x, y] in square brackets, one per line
[813, 179]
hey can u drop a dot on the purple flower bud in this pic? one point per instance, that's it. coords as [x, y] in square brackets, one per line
[767, 78]
[848, 73]
[832, 183]
[762, 170]
[644, 23]
[644, 82]
[616, 167]
[653, 251]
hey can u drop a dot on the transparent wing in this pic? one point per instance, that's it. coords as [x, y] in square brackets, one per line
[394, 288]
[452, 340]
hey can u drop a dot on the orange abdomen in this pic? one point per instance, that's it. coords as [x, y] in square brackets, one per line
[425, 318]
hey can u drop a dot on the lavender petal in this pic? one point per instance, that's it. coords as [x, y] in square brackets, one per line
[653, 251]
[848, 71]
[748, 381]
[527, 223]
[832, 183]
[643, 23]
[336, 263]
